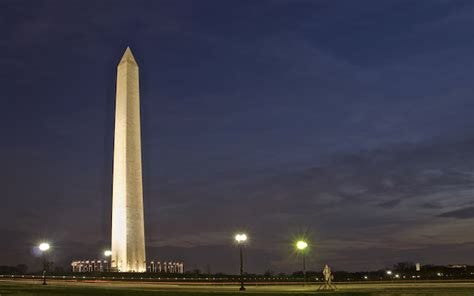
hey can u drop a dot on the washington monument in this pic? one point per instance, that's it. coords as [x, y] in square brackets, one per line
[128, 231]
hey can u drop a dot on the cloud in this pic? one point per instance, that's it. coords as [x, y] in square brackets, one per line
[431, 205]
[194, 240]
[366, 199]
[390, 204]
[464, 213]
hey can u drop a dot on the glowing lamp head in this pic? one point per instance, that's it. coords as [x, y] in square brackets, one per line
[240, 238]
[301, 245]
[107, 253]
[43, 247]
[389, 272]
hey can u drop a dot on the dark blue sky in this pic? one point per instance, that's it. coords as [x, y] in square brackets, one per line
[350, 121]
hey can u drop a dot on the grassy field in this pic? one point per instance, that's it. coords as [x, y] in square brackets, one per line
[33, 288]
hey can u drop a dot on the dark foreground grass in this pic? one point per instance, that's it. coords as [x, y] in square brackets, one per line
[29, 289]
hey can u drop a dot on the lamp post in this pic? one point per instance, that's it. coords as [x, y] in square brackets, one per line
[44, 247]
[241, 238]
[108, 254]
[301, 247]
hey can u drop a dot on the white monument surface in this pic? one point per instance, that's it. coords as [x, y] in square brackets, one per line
[128, 233]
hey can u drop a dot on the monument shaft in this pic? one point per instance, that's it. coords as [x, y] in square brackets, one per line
[128, 233]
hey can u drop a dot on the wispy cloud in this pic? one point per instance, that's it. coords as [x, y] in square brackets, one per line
[463, 213]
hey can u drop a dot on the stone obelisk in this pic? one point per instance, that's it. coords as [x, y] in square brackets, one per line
[128, 231]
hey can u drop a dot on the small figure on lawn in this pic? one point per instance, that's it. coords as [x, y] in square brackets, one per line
[328, 277]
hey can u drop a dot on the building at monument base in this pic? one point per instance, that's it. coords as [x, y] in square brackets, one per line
[104, 266]
[90, 266]
[165, 267]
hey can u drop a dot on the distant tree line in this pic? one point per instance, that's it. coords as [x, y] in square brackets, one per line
[19, 269]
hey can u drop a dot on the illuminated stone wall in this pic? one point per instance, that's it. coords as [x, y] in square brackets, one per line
[90, 266]
[165, 267]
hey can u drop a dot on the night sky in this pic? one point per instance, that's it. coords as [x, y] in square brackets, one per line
[348, 122]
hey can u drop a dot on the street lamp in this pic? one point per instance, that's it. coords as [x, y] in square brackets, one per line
[241, 238]
[301, 246]
[44, 247]
[107, 253]
[389, 274]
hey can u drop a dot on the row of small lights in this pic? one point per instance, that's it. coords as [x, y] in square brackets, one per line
[192, 278]
[141, 278]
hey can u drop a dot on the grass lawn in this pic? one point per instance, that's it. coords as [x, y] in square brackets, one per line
[32, 288]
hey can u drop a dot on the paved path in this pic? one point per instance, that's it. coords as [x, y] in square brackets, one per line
[203, 287]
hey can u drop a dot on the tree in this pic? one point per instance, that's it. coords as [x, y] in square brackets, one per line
[404, 266]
